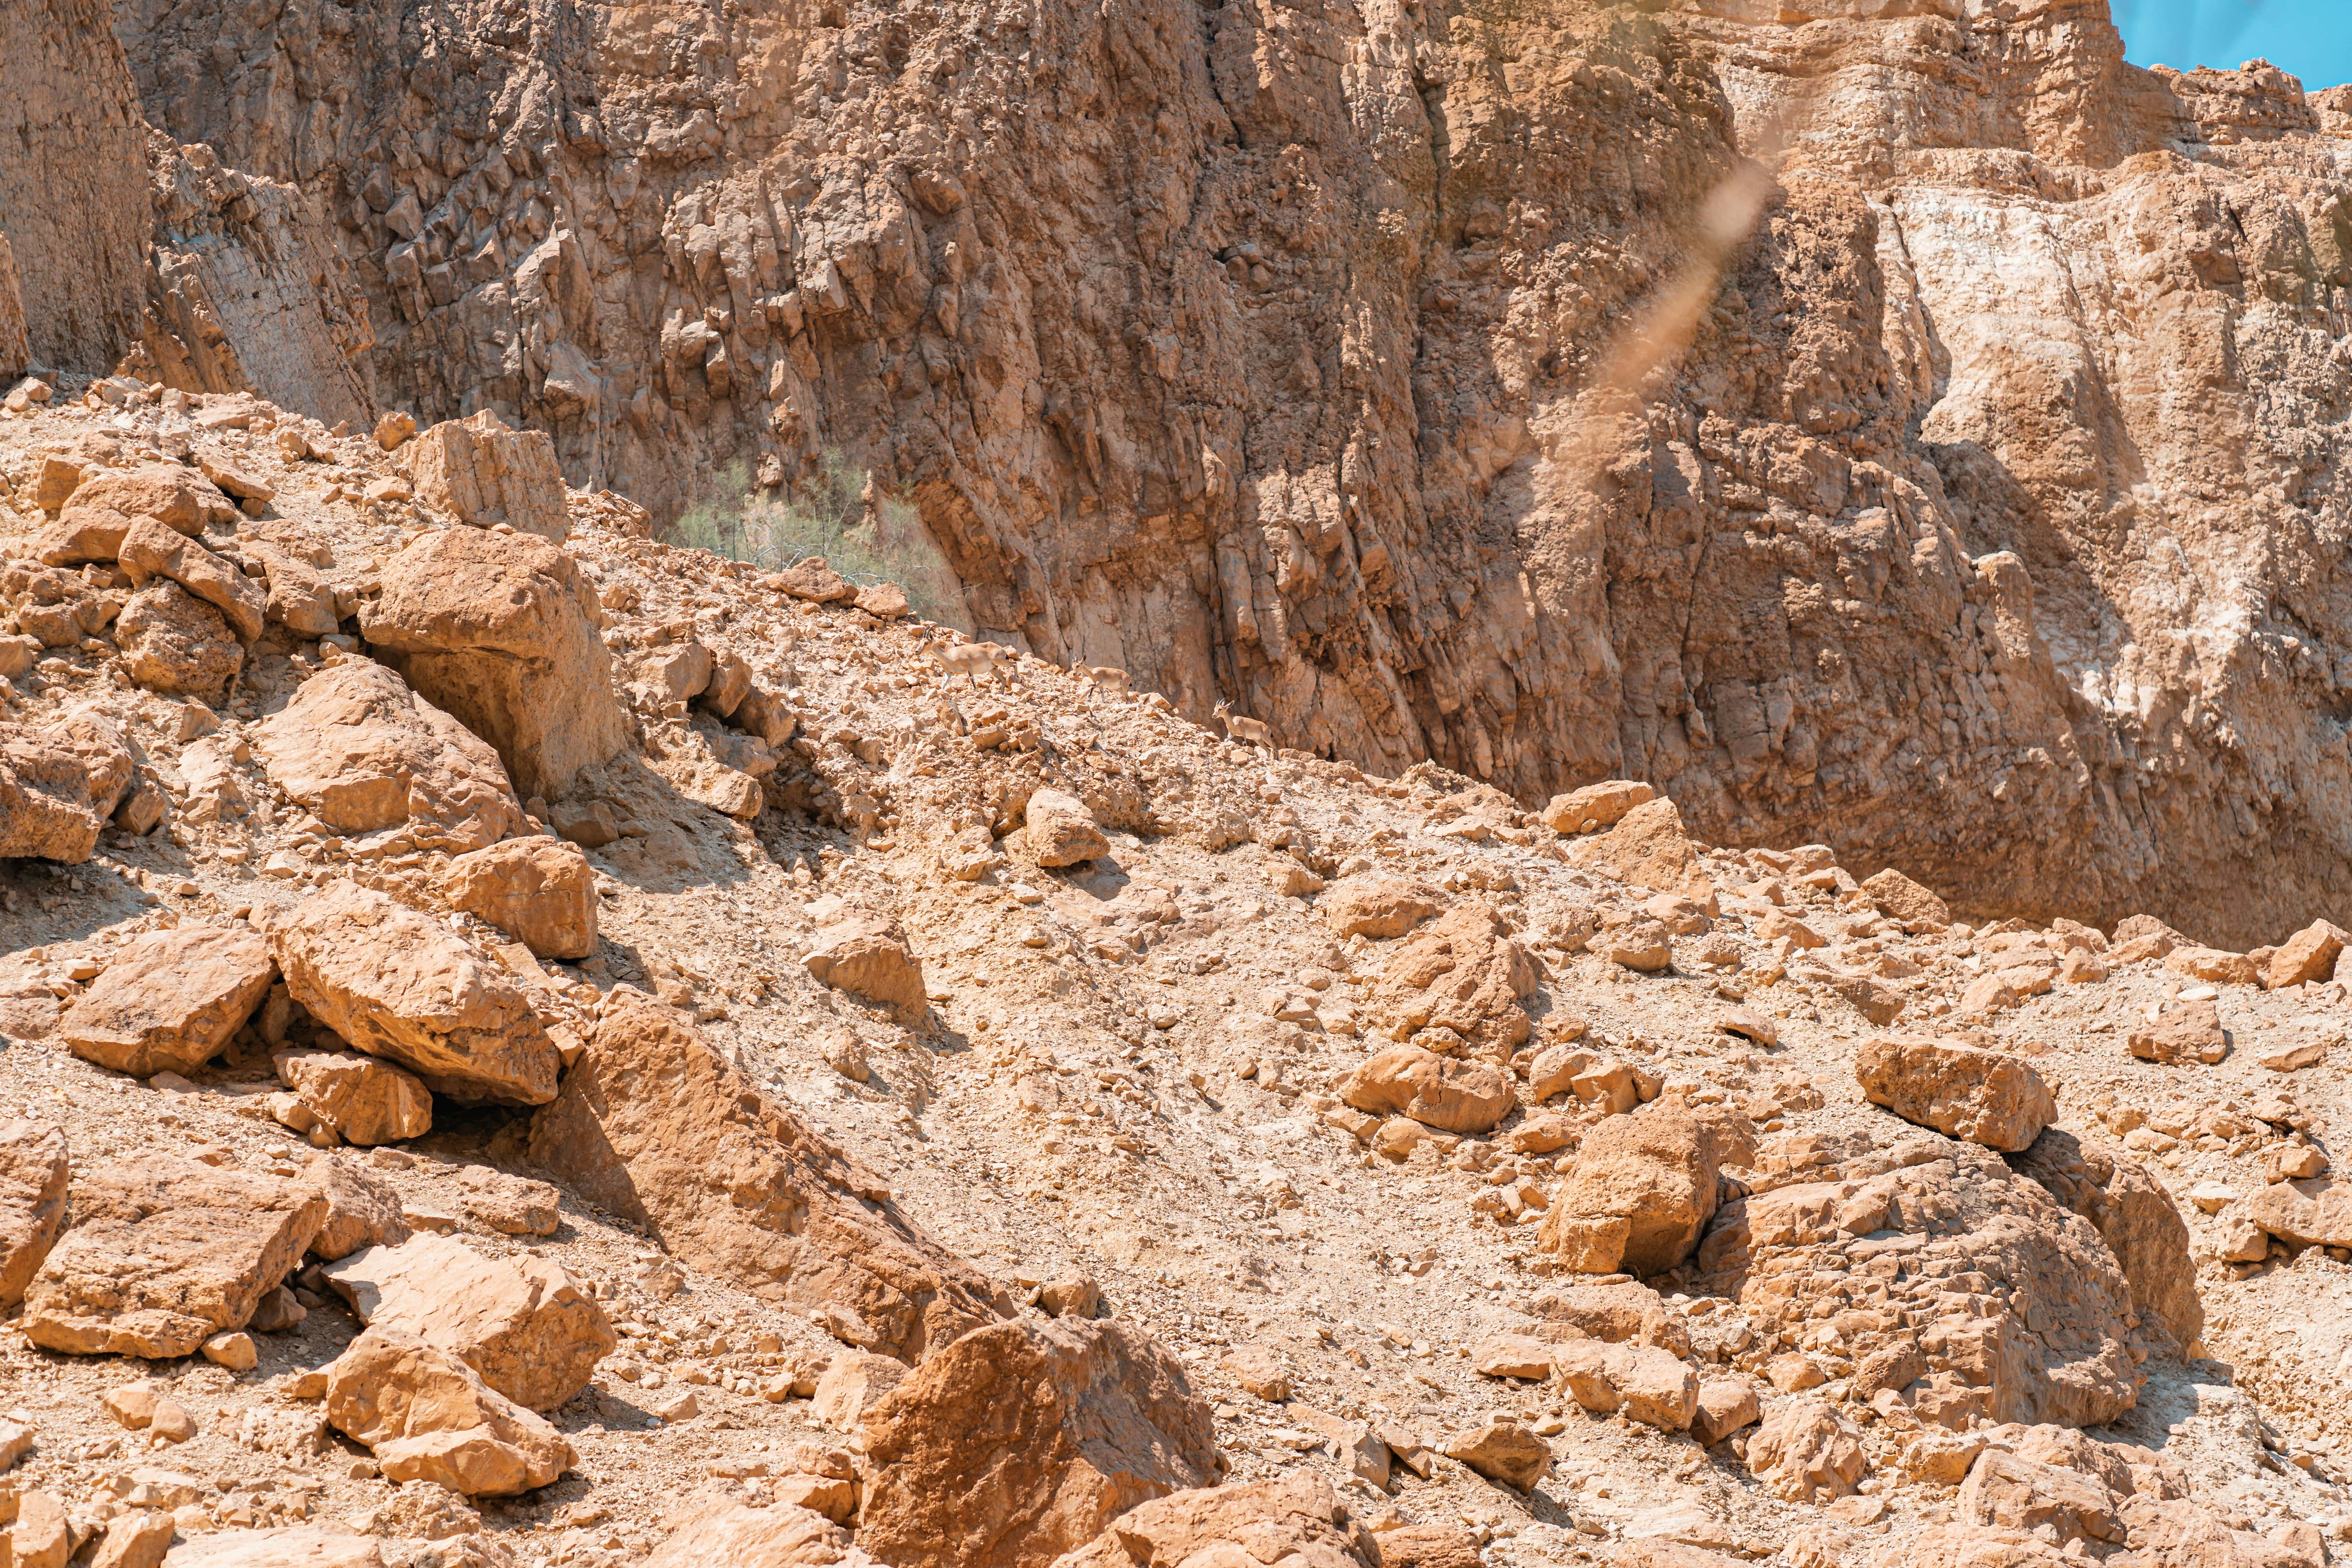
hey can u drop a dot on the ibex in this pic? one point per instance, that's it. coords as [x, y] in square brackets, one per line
[1240, 729]
[971, 659]
[1106, 680]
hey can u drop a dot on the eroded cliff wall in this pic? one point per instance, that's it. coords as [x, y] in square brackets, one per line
[1984, 516]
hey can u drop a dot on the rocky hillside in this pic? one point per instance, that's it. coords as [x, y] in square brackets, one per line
[527, 1045]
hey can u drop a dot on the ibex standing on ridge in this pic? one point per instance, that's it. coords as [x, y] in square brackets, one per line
[1240, 729]
[971, 659]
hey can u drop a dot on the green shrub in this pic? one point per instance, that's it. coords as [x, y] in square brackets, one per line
[834, 515]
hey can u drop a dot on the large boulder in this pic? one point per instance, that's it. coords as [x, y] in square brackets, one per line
[1024, 1440]
[539, 891]
[152, 549]
[366, 1101]
[1060, 830]
[655, 1125]
[481, 471]
[362, 1208]
[396, 984]
[301, 597]
[170, 1000]
[865, 955]
[1374, 905]
[1593, 806]
[162, 1254]
[2043, 1332]
[33, 1171]
[1906, 902]
[2134, 1215]
[500, 630]
[428, 1417]
[59, 785]
[522, 1323]
[1985, 1096]
[1643, 1188]
[175, 644]
[101, 510]
[306, 1546]
[1461, 971]
[1293, 1519]
[1649, 849]
[1804, 1451]
[1444, 1092]
[714, 1529]
[2309, 954]
[366, 755]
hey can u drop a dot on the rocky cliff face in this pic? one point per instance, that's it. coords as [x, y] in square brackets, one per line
[1368, 365]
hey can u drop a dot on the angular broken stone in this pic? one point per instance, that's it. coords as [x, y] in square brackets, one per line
[854, 1382]
[2184, 1031]
[1907, 904]
[499, 630]
[1649, 849]
[1643, 1188]
[59, 785]
[366, 1101]
[1594, 806]
[175, 644]
[1293, 1519]
[151, 550]
[2309, 954]
[866, 956]
[657, 1127]
[2134, 1215]
[1374, 905]
[539, 891]
[170, 1000]
[1804, 1451]
[32, 1173]
[366, 755]
[522, 1323]
[363, 1210]
[1984, 1096]
[305, 1546]
[1462, 971]
[162, 1254]
[101, 510]
[395, 984]
[1094, 1415]
[1502, 1451]
[1060, 831]
[717, 1528]
[426, 1415]
[482, 471]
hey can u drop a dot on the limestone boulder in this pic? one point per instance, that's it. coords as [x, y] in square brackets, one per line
[1024, 1440]
[1370, 904]
[2048, 1337]
[1804, 1451]
[1984, 1096]
[366, 1101]
[524, 1324]
[1502, 1451]
[426, 1415]
[363, 1209]
[1643, 1188]
[299, 598]
[1619, 1311]
[2182, 1032]
[1295, 1520]
[306, 1546]
[1649, 848]
[2134, 1215]
[2055, 1502]
[366, 755]
[59, 785]
[170, 1000]
[1594, 806]
[151, 550]
[1060, 831]
[655, 1125]
[1444, 1092]
[2310, 1213]
[2309, 954]
[499, 631]
[1907, 904]
[1461, 971]
[1650, 1385]
[715, 1530]
[540, 891]
[868, 956]
[481, 471]
[397, 984]
[176, 645]
[33, 1172]
[91, 524]
[163, 1254]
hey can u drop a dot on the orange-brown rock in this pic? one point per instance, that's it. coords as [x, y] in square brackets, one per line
[33, 1172]
[539, 891]
[1596, 805]
[366, 1101]
[655, 1125]
[2309, 954]
[1804, 1451]
[867, 956]
[1444, 1092]
[395, 984]
[152, 550]
[1907, 904]
[59, 785]
[162, 1254]
[2183, 1032]
[2134, 1215]
[1649, 849]
[1293, 1519]
[1984, 1096]
[1461, 971]
[1024, 1440]
[1643, 1188]
[716, 1530]
[174, 644]
[524, 1324]
[481, 471]
[366, 755]
[499, 630]
[363, 1209]
[303, 1546]
[428, 1417]
[1502, 1451]
[1374, 905]
[94, 519]
[1060, 830]
[170, 1000]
